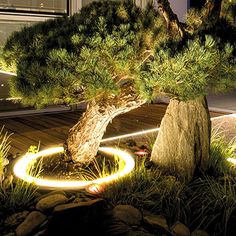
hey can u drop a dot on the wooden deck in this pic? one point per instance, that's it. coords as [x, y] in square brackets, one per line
[52, 129]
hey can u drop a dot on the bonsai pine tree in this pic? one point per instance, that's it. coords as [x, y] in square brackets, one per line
[199, 57]
[95, 56]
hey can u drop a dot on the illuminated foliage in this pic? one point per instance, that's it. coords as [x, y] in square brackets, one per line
[92, 54]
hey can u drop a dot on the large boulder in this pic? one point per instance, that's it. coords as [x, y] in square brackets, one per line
[183, 142]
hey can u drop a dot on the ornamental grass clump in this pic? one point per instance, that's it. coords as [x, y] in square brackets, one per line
[101, 167]
[4, 149]
[149, 189]
[17, 194]
[207, 202]
[220, 151]
[214, 206]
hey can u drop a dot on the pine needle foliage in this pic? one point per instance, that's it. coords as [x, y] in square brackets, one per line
[17, 194]
[189, 72]
[89, 55]
[201, 61]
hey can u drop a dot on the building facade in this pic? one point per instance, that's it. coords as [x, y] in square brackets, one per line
[15, 14]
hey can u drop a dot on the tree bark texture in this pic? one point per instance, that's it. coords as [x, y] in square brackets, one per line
[183, 141]
[85, 137]
[174, 26]
[213, 9]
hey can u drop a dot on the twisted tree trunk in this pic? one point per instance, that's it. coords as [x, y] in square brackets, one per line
[85, 137]
[183, 142]
[174, 26]
[212, 10]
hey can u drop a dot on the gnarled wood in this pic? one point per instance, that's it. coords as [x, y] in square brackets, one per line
[212, 10]
[85, 137]
[184, 138]
[174, 26]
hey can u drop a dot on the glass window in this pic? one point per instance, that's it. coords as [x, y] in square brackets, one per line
[41, 6]
[7, 27]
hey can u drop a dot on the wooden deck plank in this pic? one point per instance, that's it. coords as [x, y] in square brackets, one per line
[52, 129]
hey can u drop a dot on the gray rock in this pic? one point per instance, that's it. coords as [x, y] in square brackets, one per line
[15, 219]
[199, 233]
[179, 229]
[128, 214]
[31, 223]
[50, 202]
[187, 121]
[156, 221]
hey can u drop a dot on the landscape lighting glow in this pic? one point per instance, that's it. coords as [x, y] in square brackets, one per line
[232, 160]
[141, 153]
[153, 130]
[130, 135]
[8, 73]
[221, 117]
[95, 188]
[20, 169]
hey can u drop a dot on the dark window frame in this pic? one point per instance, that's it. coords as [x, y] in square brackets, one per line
[35, 13]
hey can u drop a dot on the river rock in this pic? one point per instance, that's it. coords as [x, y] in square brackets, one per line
[179, 229]
[79, 206]
[156, 221]
[128, 214]
[31, 223]
[41, 196]
[50, 202]
[15, 219]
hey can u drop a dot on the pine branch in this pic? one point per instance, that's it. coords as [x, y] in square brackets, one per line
[175, 27]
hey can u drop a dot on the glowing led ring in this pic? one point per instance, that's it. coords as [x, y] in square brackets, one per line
[232, 160]
[20, 169]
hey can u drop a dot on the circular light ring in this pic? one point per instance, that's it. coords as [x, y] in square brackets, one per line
[232, 160]
[20, 169]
